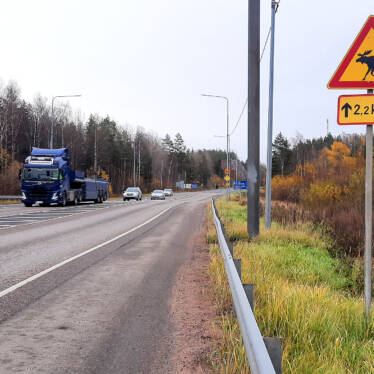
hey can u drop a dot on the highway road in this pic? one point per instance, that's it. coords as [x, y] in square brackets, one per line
[85, 289]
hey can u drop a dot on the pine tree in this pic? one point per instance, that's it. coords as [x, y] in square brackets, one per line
[282, 153]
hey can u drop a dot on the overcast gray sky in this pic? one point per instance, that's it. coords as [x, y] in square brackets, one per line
[146, 62]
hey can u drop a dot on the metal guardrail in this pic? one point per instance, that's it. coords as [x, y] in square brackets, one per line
[10, 197]
[257, 353]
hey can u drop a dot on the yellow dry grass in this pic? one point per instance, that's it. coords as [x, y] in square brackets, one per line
[301, 295]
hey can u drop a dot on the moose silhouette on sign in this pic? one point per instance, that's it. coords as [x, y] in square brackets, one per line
[368, 60]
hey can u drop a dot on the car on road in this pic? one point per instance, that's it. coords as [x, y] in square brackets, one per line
[158, 195]
[168, 192]
[132, 193]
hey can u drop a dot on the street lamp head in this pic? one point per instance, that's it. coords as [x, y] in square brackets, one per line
[219, 96]
[68, 95]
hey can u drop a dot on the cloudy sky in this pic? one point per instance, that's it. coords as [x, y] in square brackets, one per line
[146, 62]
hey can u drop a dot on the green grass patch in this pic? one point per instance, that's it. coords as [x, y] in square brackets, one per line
[302, 294]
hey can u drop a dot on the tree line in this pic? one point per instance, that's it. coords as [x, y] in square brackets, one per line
[288, 155]
[159, 162]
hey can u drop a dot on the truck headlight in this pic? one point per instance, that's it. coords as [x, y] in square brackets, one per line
[23, 196]
[55, 196]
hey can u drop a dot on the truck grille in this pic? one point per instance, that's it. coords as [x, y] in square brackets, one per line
[39, 195]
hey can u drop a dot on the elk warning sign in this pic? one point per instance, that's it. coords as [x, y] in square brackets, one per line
[356, 110]
[357, 68]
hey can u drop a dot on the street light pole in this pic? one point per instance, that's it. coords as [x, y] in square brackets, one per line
[227, 136]
[95, 151]
[134, 165]
[139, 164]
[274, 6]
[52, 119]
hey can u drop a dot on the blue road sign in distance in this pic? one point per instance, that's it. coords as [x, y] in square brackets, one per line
[244, 185]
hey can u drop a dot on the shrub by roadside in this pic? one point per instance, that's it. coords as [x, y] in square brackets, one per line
[302, 294]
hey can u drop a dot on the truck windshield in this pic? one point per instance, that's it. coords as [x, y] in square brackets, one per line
[40, 174]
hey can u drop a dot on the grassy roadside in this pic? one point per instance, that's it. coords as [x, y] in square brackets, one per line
[302, 294]
[7, 202]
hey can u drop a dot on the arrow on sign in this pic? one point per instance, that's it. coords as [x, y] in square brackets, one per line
[346, 107]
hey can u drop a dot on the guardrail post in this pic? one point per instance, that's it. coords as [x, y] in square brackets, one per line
[274, 347]
[238, 265]
[249, 289]
[231, 247]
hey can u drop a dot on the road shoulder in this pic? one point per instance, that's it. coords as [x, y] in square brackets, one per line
[192, 312]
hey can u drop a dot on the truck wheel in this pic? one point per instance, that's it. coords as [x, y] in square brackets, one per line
[63, 202]
[28, 205]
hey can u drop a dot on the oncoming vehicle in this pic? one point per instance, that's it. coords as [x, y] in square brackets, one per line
[132, 193]
[158, 195]
[168, 192]
[47, 179]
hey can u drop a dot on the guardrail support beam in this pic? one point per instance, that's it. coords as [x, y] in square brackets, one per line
[258, 356]
[274, 347]
[238, 265]
[249, 289]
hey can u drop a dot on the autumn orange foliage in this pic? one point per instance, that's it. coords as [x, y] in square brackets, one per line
[332, 190]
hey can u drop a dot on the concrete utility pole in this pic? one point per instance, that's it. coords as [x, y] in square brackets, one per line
[253, 164]
[52, 119]
[227, 137]
[368, 214]
[274, 5]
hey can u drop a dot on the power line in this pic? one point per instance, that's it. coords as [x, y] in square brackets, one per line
[266, 42]
[240, 117]
[246, 101]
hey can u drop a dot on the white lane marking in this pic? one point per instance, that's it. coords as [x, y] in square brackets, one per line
[54, 217]
[16, 218]
[54, 267]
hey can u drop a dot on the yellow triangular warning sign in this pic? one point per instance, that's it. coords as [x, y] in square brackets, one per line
[357, 68]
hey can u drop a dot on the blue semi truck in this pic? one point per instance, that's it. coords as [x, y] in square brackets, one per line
[47, 179]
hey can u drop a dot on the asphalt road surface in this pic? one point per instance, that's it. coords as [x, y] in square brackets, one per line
[85, 289]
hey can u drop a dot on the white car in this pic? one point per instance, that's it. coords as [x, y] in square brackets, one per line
[158, 195]
[132, 193]
[168, 192]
